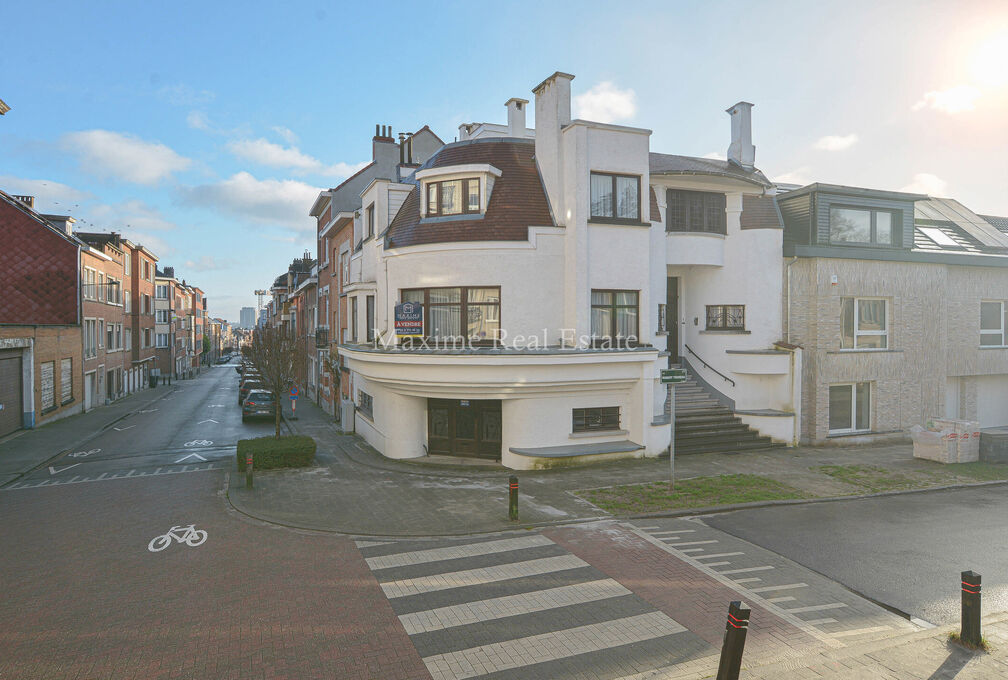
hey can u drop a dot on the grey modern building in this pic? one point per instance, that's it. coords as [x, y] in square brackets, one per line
[247, 317]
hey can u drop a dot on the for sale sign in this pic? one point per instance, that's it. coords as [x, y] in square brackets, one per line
[409, 320]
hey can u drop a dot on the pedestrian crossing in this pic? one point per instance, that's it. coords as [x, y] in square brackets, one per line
[521, 607]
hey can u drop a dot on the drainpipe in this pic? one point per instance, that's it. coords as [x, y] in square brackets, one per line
[788, 301]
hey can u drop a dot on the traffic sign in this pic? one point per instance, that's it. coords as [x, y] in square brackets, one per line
[673, 375]
[294, 392]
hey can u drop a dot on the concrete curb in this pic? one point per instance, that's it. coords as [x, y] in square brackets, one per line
[720, 509]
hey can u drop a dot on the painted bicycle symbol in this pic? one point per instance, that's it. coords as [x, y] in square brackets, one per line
[199, 442]
[189, 535]
[84, 454]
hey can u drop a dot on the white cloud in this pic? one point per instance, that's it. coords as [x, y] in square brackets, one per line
[715, 156]
[953, 100]
[264, 152]
[207, 263]
[926, 183]
[124, 156]
[268, 201]
[198, 120]
[133, 214]
[796, 176]
[50, 196]
[836, 142]
[606, 103]
[286, 134]
[183, 95]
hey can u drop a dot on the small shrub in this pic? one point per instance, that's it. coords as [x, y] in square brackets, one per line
[269, 452]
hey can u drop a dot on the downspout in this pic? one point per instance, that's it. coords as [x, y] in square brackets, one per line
[791, 387]
[787, 267]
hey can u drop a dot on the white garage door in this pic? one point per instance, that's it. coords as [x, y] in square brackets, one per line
[992, 400]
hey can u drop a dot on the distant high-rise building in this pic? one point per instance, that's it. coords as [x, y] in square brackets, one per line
[248, 317]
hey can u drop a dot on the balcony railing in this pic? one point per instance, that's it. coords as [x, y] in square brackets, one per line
[321, 337]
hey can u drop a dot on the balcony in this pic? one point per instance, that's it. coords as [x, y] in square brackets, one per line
[694, 248]
[321, 337]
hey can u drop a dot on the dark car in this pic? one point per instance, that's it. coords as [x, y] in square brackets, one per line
[259, 404]
[247, 386]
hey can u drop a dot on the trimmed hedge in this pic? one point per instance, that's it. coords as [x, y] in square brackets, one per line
[269, 452]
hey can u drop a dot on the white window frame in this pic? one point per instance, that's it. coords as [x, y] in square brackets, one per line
[990, 331]
[853, 424]
[859, 333]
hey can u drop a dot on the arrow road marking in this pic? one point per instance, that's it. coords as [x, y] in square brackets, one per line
[190, 456]
[208, 420]
[53, 471]
[120, 429]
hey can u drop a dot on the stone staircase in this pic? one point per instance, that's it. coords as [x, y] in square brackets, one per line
[703, 425]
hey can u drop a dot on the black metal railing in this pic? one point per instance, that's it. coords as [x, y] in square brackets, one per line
[321, 337]
[690, 350]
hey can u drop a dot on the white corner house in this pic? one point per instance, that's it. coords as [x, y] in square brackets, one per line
[559, 269]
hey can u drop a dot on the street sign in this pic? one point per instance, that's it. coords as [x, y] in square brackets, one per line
[294, 392]
[670, 376]
[409, 320]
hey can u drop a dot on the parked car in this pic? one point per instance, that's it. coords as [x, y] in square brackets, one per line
[259, 404]
[247, 386]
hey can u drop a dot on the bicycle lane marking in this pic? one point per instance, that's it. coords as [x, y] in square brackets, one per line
[190, 535]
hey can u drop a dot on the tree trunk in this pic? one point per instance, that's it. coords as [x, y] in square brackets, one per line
[279, 408]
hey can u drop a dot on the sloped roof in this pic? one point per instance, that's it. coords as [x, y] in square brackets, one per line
[760, 212]
[1001, 223]
[671, 164]
[948, 211]
[518, 199]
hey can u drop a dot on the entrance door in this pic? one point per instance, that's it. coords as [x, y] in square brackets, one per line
[89, 391]
[11, 408]
[464, 427]
[672, 318]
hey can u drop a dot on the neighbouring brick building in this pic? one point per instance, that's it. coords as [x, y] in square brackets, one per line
[40, 321]
[102, 273]
[141, 265]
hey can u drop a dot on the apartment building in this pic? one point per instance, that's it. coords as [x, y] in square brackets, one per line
[139, 271]
[899, 301]
[40, 318]
[335, 211]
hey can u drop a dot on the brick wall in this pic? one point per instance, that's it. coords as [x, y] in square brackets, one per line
[54, 344]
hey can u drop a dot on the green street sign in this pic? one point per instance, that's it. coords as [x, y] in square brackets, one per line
[673, 375]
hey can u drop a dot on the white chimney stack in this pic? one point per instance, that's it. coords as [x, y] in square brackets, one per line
[516, 116]
[741, 150]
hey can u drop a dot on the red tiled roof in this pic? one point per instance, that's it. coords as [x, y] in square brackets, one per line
[517, 202]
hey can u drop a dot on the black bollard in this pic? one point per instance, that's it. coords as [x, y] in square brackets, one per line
[734, 641]
[513, 499]
[248, 471]
[970, 632]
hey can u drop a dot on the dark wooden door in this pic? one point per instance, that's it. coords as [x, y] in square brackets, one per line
[464, 427]
[672, 318]
[11, 408]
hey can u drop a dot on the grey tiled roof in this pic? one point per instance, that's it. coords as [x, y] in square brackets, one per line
[1000, 222]
[670, 164]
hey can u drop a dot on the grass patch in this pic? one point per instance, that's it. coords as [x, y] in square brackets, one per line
[699, 492]
[269, 452]
[981, 472]
[954, 636]
[870, 478]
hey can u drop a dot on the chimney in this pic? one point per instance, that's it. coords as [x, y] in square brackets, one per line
[169, 272]
[552, 114]
[741, 151]
[62, 222]
[516, 117]
[27, 200]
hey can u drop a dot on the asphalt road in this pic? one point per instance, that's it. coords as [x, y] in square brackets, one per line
[904, 551]
[196, 426]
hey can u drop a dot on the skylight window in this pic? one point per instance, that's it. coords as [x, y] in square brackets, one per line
[939, 237]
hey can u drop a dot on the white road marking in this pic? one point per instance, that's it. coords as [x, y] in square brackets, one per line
[673, 531]
[731, 554]
[457, 552]
[191, 455]
[147, 410]
[84, 454]
[511, 605]
[860, 631]
[473, 577]
[716, 564]
[208, 420]
[120, 429]
[198, 442]
[819, 622]
[787, 586]
[371, 544]
[693, 550]
[783, 598]
[746, 580]
[691, 542]
[816, 608]
[500, 656]
[745, 570]
[54, 471]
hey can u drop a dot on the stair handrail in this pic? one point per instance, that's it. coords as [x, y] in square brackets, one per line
[690, 350]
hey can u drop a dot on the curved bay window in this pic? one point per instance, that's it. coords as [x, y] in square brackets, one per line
[614, 318]
[453, 197]
[463, 314]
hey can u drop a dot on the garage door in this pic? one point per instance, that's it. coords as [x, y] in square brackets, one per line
[10, 394]
[992, 400]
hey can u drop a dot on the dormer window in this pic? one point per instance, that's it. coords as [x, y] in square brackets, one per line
[453, 197]
[861, 226]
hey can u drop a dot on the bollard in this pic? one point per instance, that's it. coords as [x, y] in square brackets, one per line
[513, 499]
[248, 471]
[734, 641]
[970, 632]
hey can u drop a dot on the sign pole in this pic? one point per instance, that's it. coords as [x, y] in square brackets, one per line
[671, 448]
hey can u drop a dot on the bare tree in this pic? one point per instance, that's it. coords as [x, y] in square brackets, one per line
[281, 358]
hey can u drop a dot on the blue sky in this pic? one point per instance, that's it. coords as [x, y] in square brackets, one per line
[205, 130]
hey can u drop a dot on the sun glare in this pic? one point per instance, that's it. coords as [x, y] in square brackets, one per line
[989, 67]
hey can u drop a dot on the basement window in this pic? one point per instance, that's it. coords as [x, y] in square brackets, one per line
[596, 419]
